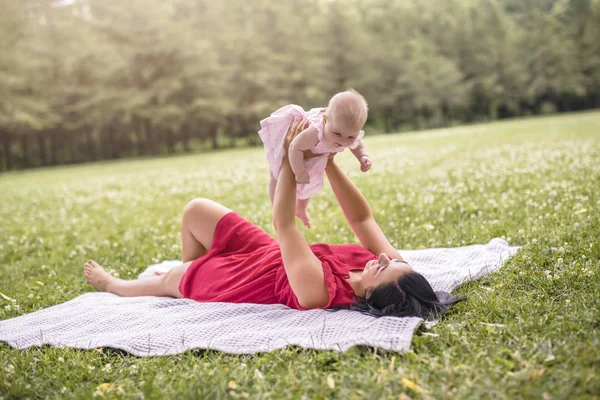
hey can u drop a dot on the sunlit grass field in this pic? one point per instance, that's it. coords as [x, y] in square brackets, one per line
[530, 330]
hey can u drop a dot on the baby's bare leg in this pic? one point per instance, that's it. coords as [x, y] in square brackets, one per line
[301, 211]
[272, 185]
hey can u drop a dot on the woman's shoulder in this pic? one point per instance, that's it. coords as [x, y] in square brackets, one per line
[337, 247]
[350, 248]
[344, 252]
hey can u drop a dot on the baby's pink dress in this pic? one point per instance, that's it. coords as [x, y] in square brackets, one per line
[273, 131]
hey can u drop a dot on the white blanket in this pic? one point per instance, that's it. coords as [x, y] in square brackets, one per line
[151, 326]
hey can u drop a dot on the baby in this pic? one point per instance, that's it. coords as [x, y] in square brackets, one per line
[331, 130]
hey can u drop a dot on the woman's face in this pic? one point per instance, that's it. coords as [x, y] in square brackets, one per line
[383, 270]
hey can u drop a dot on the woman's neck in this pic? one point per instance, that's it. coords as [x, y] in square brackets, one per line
[355, 281]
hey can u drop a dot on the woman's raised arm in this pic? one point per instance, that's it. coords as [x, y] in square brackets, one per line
[358, 213]
[302, 267]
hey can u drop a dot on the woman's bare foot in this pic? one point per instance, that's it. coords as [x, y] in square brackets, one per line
[96, 276]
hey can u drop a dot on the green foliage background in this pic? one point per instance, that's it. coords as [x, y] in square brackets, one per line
[84, 80]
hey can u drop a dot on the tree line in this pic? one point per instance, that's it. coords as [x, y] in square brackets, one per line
[84, 80]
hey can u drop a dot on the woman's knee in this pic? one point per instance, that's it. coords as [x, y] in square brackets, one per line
[196, 205]
[205, 208]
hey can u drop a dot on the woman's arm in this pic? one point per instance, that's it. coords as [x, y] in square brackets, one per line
[302, 267]
[358, 213]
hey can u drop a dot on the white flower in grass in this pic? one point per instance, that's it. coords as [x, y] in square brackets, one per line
[548, 274]
[107, 368]
[559, 261]
[7, 307]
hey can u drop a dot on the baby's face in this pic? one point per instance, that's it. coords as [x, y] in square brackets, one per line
[337, 133]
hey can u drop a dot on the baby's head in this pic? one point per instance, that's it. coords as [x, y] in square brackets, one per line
[345, 116]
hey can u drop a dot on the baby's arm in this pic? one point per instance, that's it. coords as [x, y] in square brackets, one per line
[306, 140]
[360, 152]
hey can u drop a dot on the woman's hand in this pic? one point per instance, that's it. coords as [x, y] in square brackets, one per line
[330, 158]
[295, 129]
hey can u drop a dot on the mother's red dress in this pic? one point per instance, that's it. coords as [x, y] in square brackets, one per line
[244, 265]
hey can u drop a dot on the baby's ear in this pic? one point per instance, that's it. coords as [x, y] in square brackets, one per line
[324, 118]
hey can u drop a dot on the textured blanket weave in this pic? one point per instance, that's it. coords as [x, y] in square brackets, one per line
[151, 326]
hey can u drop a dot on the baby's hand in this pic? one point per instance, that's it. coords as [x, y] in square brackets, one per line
[303, 178]
[365, 164]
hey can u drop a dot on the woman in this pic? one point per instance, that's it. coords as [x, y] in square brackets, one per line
[227, 258]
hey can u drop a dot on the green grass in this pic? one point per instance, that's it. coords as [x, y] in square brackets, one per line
[527, 331]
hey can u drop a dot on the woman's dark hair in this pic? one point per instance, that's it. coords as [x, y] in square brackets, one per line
[409, 296]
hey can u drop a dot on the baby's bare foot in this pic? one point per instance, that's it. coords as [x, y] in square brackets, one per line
[97, 276]
[303, 178]
[303, 216]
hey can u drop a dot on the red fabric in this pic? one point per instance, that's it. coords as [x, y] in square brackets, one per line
[244, 266]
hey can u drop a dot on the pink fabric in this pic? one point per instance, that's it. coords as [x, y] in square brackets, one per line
[244, 265]
[273, 131]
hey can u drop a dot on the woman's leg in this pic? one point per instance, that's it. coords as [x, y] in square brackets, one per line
[163, 285]
[200, 219]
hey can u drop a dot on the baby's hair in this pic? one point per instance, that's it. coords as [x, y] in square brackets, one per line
[351, 106]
